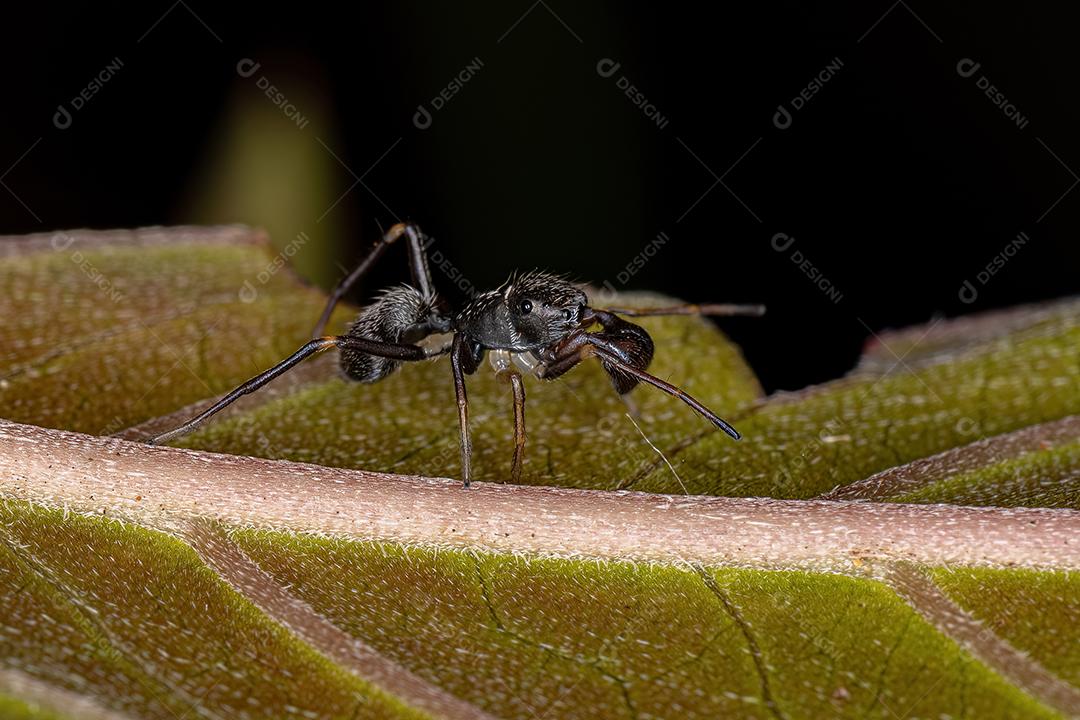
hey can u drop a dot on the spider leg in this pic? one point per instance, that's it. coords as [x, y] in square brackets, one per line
[517, 387]
[605, 347]
[457, 359]
[418, 267]
[712, 309]
[670, 389]
[313, 347]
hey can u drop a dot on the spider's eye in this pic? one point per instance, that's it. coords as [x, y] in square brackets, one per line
[567, 315]
[526, 307]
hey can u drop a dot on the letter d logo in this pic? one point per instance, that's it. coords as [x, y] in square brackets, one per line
[781, 242]
[422, 118]
[248, 293]
[62, 118]
[607, 67]
[781, 118]
[967, 67]
[968, 293]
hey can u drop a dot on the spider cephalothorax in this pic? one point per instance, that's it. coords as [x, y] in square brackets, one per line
[526, 313]
[534, 323]
[544, 307]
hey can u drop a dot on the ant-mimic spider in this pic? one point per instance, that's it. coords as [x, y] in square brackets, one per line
[534, 323]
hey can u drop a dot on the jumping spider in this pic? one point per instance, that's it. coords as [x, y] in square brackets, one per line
[534, 323]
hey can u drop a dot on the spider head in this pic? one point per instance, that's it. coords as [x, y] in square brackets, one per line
[543, 308]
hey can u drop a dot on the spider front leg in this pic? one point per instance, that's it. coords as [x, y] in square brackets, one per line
[628, 343]
[625, 350]
[709, 309]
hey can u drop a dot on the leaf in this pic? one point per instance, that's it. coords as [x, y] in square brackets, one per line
[806, 443]
[470, 593]
[942, 340]
[163, 582]
[1038, 466]
[104, 329]
[145, 651]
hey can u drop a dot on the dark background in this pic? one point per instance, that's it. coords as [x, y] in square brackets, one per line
[899, 180]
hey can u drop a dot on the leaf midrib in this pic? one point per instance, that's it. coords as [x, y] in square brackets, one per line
[156, 486]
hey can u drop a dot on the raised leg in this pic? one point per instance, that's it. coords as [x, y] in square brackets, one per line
[457, 359]
[381, 349]
[418, 268]
[714, 310]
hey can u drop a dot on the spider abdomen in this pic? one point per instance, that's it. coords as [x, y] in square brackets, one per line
[390, 318]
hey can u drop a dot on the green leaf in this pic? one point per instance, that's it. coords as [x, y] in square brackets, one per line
[164, 582]
[1038, 466]
[102, 330]
[1003, 601]
[138, 620]
[806, 443]
[16, 709]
